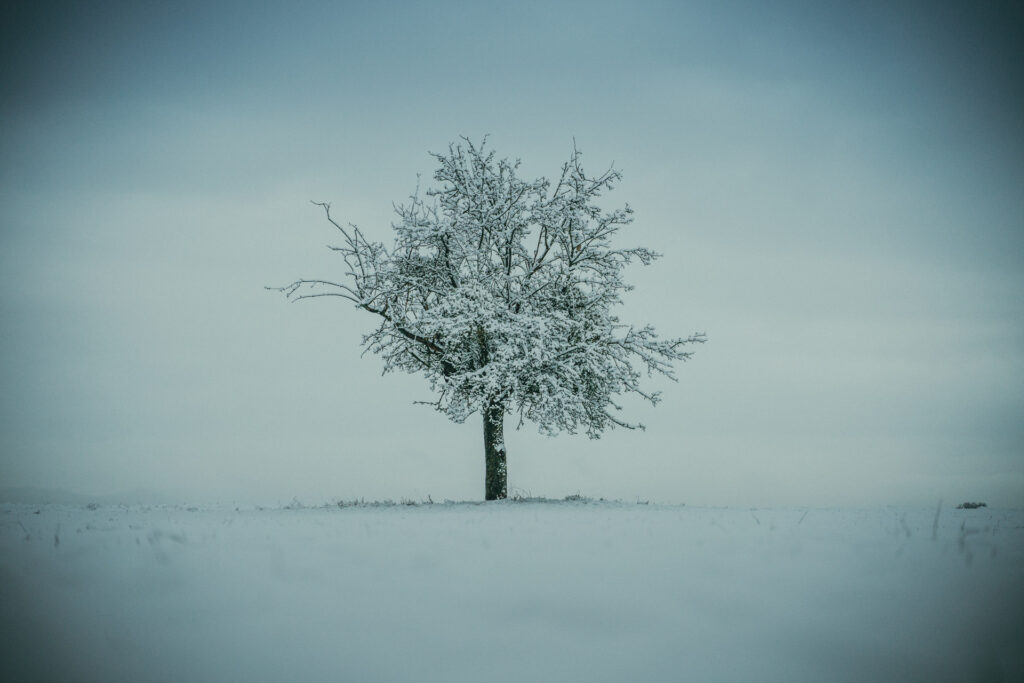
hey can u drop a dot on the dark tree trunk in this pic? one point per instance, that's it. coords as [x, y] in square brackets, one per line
[495, 477]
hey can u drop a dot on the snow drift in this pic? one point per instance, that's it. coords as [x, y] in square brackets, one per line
[570, 591]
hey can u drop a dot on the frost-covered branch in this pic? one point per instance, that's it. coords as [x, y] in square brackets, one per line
[501, 291]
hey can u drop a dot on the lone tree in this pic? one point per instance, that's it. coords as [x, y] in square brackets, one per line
[500, 290]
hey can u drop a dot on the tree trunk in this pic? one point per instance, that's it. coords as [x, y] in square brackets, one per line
[495, 477]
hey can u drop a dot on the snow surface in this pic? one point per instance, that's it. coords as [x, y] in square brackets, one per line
[568, 591]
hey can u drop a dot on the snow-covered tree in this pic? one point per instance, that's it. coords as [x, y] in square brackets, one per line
[501, 292]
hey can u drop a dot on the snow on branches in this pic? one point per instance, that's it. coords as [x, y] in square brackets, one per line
[501, 291]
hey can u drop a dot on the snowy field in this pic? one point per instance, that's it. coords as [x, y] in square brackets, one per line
[568, 591]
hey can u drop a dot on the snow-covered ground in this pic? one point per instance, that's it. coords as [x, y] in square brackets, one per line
[569, 591]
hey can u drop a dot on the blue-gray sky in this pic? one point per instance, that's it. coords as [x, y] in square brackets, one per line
[838, 189]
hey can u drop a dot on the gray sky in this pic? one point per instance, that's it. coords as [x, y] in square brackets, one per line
[839, 195]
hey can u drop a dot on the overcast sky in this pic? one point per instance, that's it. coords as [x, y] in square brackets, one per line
[838, 193]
